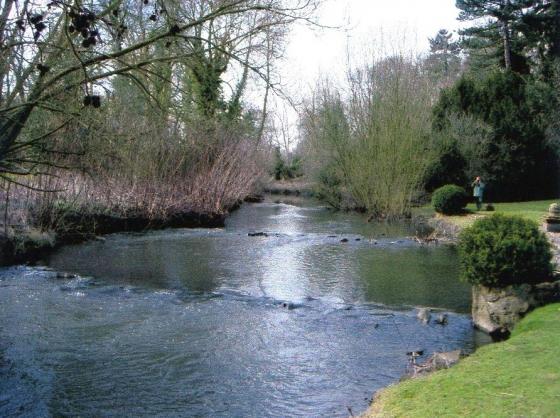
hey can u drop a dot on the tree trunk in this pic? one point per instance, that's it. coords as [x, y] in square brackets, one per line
[5, 11]
[4, 14]
[555, 47]
[507, 44]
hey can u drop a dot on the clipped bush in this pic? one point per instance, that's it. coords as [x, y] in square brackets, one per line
[501, 250]
[449, 199]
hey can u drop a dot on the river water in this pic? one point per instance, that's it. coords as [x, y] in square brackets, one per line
[217, 323]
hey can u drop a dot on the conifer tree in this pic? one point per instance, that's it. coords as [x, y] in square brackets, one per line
[520, 35]
[495, 31]
[444, 52]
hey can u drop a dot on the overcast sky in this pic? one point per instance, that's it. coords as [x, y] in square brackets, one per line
[363, 25]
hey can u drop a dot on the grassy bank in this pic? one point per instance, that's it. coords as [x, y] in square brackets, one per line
[534, 210]
[518, 377]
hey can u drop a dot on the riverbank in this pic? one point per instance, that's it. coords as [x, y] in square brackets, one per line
[58, 226]
[31, 244]
[517, 377]
[473, 388]
[447, 228]
[295, 187]
[66, 221]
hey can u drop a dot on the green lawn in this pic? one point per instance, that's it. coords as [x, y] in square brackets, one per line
[535, 210]
[516, 378]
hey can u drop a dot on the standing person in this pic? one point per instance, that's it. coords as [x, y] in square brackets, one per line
[478, 191]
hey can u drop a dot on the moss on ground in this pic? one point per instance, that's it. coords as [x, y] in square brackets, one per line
[516, 378]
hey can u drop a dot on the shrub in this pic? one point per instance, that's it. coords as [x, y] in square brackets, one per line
[501, 250]
[449, 199]
[283, 170]
[328, 186]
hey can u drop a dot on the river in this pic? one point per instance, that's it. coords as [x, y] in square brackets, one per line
[217, 323]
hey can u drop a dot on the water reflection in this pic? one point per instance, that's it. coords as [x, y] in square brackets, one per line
[301, 257]
[414, 276]
[156, 261]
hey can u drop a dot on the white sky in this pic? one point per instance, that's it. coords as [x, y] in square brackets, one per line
[363, 25]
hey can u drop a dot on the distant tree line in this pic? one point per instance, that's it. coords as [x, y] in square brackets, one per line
[483, 103]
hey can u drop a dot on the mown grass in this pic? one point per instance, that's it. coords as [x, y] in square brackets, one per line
[534, 210]
[516, 378]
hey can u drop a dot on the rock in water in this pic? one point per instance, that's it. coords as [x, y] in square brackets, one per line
[436, 362]
[424, 315]
[64, 275]
[445, 360]
[257, 234]
[289, 305]
[442, 319]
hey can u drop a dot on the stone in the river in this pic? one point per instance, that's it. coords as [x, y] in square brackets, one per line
[254, 198]
[436, 362]
[344, 240]
[63, 275]
[442, 319]
[257, 234]
[424, 315]
[445, 360]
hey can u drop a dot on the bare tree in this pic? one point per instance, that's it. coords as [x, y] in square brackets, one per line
[60, 56]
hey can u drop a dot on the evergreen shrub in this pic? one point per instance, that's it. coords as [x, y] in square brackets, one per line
[449, 199]
[501, 250]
